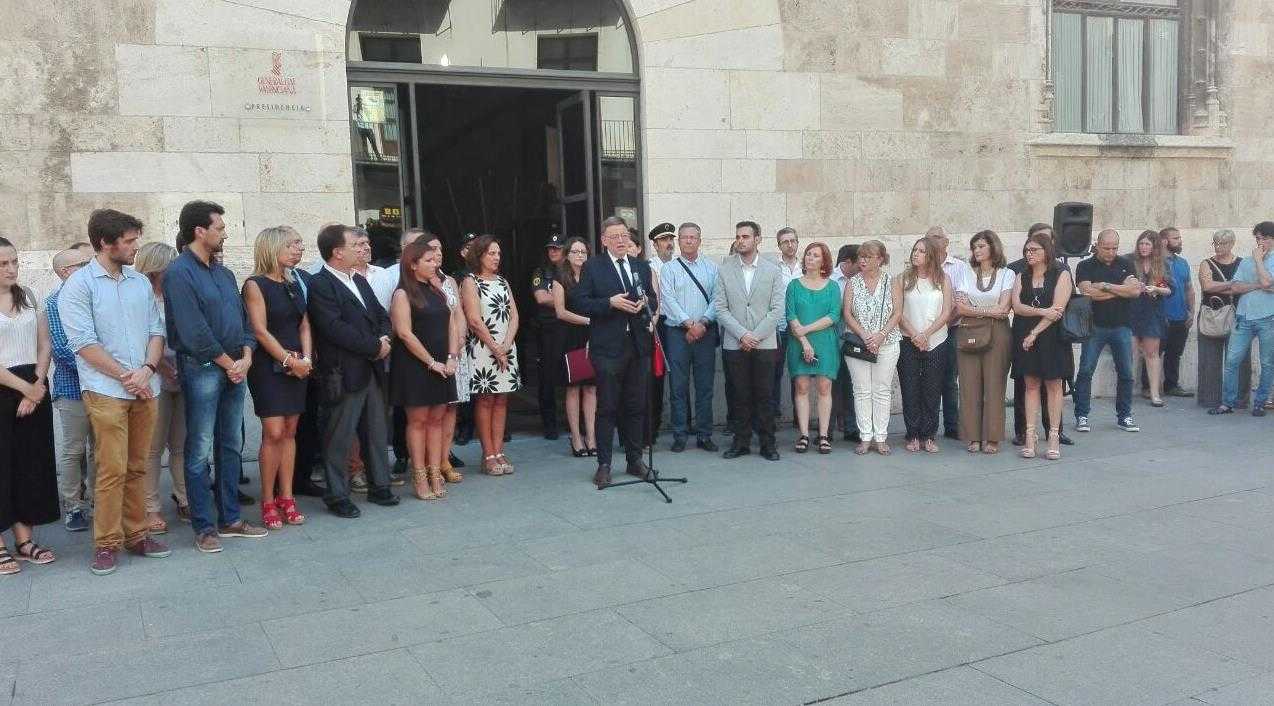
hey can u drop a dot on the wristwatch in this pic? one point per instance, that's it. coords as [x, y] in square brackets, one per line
[153, 369]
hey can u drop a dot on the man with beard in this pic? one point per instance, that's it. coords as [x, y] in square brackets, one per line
[1179, 308]
[209, 330]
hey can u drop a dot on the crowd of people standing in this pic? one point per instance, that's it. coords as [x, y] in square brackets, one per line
[154, 348]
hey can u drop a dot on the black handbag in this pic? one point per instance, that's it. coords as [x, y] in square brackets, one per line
[1077, 323]
[852, 346]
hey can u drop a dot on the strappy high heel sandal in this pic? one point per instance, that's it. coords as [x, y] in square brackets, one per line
[420, 484]
[437, 485]
[506, 466]
[802, 444]
[1054, 444]
[270, 515]
[449, 472]
[491, 466]
[1028, 448]
[291, 515]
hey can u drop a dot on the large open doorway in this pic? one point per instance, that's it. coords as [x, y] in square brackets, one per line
[517, 118]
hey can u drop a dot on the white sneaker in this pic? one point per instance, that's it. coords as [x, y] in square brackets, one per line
[1081, 424]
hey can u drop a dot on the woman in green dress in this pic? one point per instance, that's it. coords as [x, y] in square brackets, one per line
[813, 351]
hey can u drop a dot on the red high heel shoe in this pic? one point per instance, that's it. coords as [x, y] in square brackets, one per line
[291, 515]
[270, 515]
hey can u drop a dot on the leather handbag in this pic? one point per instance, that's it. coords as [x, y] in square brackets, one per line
[973, 334]
[1077, 323]
[852, 346]
[1216, 316]
[579, 368]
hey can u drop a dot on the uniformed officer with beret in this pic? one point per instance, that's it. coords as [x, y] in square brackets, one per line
[548, 360]
[661, 239]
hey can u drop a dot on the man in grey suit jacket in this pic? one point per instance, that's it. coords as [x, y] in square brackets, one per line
[749, 304]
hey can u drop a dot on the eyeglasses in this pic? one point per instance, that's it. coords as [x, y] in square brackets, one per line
[1035, 249]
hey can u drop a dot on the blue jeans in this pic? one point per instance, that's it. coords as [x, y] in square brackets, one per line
[1235, 353]
[686, 360]
[1120, 341]
[214, 421]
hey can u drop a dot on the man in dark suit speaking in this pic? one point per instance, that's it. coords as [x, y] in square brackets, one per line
[351, 336]
[616, 293]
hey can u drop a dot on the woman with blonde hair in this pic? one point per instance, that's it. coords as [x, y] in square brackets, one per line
[170, 414]
[276, 312]
[872, 307]
[1216, 274]
[922, 360]
[1146, 315]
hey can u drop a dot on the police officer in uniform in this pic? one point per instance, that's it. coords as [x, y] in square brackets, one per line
[549, 347]
[661, 239]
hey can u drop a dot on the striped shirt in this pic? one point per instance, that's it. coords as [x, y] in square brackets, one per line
[66, 380]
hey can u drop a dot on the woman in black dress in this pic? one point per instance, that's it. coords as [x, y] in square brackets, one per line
[28, 472]
[277, 378]
[581, 397]
[1040, 355]
[422, 365]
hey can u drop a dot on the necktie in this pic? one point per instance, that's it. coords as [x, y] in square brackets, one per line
[623, 272]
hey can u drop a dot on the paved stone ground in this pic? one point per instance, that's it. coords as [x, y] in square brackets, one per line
[1139, 569]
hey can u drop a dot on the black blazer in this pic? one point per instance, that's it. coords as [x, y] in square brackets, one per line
[346, 333]
[591, 297]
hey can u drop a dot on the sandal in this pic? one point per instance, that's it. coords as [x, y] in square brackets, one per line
[1028, 450]
[420, 484]
[490, 466]
[592, 451]
[36, 554]
[291, 515]
[8, 565]
[824, 445]
[437, 485]
[1054, 440]
[931, 446]
[505, 465]
[578, 453]
[913, 445]
[882, 448]
[1156, 403]
[802, 444]
[862, 448]
[974, 447]
[990, 447]
[270, 515]
[449, 472]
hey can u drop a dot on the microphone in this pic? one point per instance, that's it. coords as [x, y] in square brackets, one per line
[648, 314]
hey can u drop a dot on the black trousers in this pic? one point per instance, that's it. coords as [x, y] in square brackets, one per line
[400, 433]
[1019, 409]
[843, 412]
[750, 378]
[921, 376]
[1172, 347]
[545, 358]
[622, 387]
[309, 435]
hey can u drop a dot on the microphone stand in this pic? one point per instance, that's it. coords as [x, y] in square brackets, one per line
[652, 475]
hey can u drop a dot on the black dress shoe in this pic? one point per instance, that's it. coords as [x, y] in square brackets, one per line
[1179, 392]
[400, 467]
[736, 451]
[678, 445]
[455, 461]
[245, 499]
[345, 509]
[1064, 440]
[601, 478]
[1019, 440]
[309, 490]
[637, 468]
[770, 454]
[384, 498]
[707, 445]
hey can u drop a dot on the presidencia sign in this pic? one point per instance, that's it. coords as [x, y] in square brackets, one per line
[252, 83]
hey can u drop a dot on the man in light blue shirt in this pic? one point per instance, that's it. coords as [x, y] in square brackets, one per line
[112, 322]
[686, 286]
[1254, 318]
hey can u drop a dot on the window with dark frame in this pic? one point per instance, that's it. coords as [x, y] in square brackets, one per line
[1116, 66]
[568, 52]
[387, 48]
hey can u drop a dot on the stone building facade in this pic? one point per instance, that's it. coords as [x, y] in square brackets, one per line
[845, 120]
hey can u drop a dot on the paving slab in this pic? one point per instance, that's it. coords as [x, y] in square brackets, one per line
[871, 537]
[535, 653]
[70, 631]
[556, 593]
[888, 582]
[205, 608]
[376, 627]
[961, 686]
[1249, 692]
[729, 562]
[700, 618]
[1129, 665]
[1240, 626]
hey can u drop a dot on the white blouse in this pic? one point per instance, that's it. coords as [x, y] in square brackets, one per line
[19, 333]
[921, 306]
[971, 284]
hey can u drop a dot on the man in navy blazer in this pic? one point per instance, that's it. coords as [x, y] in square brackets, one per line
[616, 293]
[351, 341]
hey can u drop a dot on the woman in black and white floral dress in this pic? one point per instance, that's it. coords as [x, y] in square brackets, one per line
[490, 349]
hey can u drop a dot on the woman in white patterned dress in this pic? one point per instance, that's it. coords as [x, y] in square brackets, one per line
[490, 349]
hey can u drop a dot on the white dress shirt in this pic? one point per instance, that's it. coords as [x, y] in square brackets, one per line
[348, 281]
[384, 280]
[749, 271]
